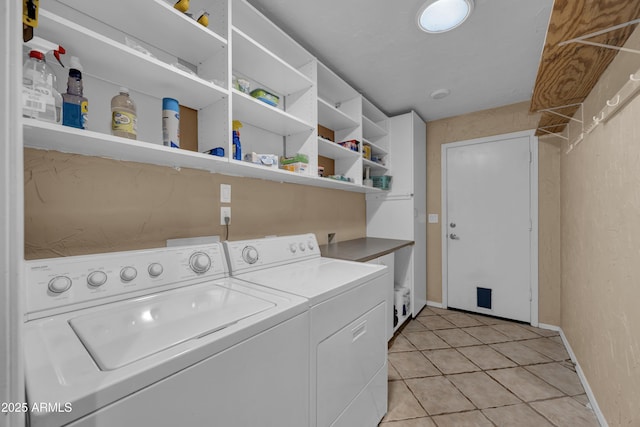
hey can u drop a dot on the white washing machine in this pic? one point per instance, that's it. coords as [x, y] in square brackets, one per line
[348, 346]
[161, 338]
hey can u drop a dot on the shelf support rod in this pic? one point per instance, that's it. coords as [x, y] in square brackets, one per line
[582, 40]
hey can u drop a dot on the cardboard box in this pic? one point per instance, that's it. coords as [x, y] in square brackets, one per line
[297, 167]
[328, 164]
[326, 133]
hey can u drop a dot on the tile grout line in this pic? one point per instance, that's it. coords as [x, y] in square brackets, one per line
[518, 365]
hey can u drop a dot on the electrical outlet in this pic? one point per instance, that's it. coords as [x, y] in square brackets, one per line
[225, 211]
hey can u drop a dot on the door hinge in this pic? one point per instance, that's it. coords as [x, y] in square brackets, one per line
[530, 225]
[530, 295]
[530, 157]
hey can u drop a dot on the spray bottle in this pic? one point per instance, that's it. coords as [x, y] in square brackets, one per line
[237, 148]
[40, 97]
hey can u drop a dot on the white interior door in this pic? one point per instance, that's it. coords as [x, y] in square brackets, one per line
[488, 226]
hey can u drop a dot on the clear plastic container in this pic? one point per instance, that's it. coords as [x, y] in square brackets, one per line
[40, 98]
[124, 119]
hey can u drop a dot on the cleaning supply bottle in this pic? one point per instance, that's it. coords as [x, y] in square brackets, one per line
[237, 148]
[171, 122]
[75, 107]
[40, 98]
[124, 120]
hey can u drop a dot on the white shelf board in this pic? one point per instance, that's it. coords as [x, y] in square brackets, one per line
[371, 130]
[253, 23]
[250, 170]
[374, 165]
[372, 112]
[51, 136]
[332, 150]
[254, 60]
[55, 137]
[109, 60]
[195, 43]
[332, 87]
[375, 148]
[250, 110]
[332, 118]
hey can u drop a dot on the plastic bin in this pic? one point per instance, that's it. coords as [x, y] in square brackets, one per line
[382, 182]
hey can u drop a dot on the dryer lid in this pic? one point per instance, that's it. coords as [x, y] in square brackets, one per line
[139, 328]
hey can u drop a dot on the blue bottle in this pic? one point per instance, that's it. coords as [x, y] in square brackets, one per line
[237, 148]
[74, 104]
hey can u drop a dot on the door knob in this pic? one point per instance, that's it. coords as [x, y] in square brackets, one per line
[452, 225]
[453, 236]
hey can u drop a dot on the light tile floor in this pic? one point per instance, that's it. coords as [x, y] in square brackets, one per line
[453, 369]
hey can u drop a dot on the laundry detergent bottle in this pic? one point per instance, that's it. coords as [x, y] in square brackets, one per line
[75, 106]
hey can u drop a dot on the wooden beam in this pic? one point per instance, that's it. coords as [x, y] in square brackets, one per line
[568, 73]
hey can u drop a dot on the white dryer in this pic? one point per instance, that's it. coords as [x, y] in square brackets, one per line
[348, 346]
[161, 338]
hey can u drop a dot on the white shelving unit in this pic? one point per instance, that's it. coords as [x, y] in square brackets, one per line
[332, 118]
[203, 43]
[250, 110]
[239, 40]
[51, 136]
[252, 59]
[105, 59]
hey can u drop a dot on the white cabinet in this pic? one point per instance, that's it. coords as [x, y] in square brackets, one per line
[178, 58]
[401, 213]
[388, 260]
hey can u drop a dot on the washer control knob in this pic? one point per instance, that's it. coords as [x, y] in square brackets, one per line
[310, 245]
[200, 262]
[59, 284]
[127, 274]
[302, 247]
[250, 254]
[155, 269]
[97, 278]
[293, 248]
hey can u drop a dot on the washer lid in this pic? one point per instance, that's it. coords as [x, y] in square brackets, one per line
[140, 328]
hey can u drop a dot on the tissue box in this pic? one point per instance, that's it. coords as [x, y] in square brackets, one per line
[297, 167]
[270, 160]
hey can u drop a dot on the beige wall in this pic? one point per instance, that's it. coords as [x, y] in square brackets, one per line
[601, 249]
[80, 205]
[511, 118]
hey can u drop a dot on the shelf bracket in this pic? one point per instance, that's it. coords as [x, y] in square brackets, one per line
[582, 39]
[554, 110]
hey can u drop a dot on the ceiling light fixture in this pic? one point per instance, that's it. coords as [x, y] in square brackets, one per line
[438, 16]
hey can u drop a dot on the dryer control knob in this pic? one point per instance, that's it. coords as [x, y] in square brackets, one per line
[97, 278]
[250, 254]
[302, 247]
[59, 284]
[310, 245]
[155, 269]
[293, 248]
[200, 262]
[127, 274]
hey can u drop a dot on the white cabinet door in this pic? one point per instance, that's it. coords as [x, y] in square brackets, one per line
[387, 260]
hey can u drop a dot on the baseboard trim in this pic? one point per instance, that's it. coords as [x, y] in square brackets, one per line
[583, 378]
[434, 304]
[549, 327]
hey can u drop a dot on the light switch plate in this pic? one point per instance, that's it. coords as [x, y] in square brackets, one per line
[225, 193]
[433, 218]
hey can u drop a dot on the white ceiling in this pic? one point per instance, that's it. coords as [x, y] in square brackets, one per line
[376, 46]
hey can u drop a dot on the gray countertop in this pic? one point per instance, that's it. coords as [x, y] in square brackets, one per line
[364, 249]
